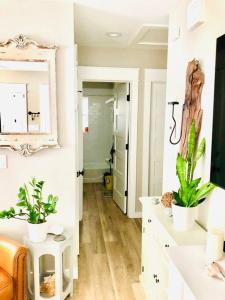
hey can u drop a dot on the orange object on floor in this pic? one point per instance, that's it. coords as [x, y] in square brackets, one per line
[13, 277]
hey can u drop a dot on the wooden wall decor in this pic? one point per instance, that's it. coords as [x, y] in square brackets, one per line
[192, 105]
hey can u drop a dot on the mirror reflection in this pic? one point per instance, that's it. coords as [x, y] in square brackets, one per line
[24, 97]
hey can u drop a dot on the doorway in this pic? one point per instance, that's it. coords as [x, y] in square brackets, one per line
[125, 83]
[105, 126]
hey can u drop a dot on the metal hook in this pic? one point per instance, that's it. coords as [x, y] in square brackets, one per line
[175, 123]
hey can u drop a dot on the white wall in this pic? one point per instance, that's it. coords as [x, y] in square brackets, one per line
[48, 23]
[127, 58]
[200, 44]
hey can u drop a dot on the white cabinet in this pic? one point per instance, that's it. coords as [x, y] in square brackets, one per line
[158, 235]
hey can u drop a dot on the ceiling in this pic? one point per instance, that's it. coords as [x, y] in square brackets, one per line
[142, 23]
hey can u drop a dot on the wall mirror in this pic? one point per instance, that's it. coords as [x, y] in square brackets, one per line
[28, 110]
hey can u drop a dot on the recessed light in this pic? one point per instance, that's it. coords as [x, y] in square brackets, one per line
[113, 34]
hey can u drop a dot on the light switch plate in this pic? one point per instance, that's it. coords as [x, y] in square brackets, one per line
[3, 161]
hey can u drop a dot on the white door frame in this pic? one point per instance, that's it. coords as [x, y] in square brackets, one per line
[150, 75]
[131, 75]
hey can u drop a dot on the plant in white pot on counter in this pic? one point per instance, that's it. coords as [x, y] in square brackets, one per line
[189, 195]
[32, 208]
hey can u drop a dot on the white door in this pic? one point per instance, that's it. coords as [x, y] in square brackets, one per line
[153, 131]
[156, 137]
[120, 164]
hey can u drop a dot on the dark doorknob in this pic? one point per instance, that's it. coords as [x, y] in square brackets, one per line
[80, 173]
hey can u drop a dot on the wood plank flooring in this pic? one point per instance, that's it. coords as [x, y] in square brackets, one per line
[110, 251]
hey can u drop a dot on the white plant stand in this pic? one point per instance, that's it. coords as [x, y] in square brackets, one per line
[61, 252]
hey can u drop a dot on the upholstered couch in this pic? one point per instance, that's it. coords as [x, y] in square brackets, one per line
[13, 284]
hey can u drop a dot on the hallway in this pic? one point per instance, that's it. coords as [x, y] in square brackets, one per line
[110, 251]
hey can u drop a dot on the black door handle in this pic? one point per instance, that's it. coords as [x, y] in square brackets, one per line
[80, 173]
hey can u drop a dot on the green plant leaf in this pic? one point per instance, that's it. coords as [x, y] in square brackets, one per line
[191, 150]
[191, 141]
[201, 150]
[192, 190]
[3, 214]
[195, 182]
[177, 199]
[34, 217]
[33, 182]
[21, 204]
[50, 197]
[181, 171]
[204, 190]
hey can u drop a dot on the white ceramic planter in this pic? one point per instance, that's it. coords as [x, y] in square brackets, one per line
[37, 232]
[168, 211]
[184, 217]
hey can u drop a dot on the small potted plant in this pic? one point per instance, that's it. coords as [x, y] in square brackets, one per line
[32, 208]
[189, 195]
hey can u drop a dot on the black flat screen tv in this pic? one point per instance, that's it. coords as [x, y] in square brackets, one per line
[217, 175]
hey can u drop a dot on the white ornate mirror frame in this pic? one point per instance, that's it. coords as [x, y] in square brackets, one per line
[22, 48]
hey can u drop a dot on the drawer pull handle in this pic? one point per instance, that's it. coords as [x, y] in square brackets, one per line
[149, 220]
[154, 276]
[157, 280]
[167, 246]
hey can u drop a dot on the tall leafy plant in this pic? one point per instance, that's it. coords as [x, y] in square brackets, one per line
[189, 193]
[31, 206]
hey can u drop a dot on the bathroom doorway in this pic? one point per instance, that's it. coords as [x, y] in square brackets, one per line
[105, 124]
[107, 128]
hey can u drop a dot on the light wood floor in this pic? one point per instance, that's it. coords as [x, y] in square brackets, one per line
[110, 251]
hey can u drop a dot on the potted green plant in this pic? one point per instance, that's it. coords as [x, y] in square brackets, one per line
[189, 195]
[32, 208]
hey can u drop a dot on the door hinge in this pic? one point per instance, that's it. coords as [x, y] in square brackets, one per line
[126, 193]
[128, 98]
[127, 147]
[142, 269]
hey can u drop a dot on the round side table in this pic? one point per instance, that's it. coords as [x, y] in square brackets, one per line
[48, 258]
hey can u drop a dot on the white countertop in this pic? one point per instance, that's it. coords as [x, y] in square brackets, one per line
[190, 262]
[196, 236]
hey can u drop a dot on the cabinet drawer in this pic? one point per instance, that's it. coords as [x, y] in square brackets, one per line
[147, 225]
[161, 235]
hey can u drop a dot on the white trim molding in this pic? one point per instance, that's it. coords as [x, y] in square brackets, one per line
[138, 215]
[150, 76]
[131, 75]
